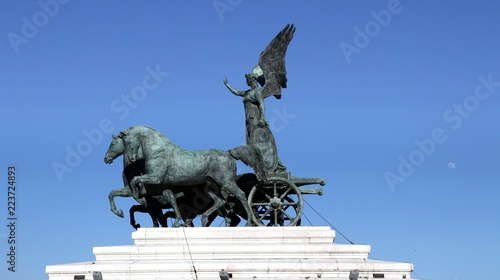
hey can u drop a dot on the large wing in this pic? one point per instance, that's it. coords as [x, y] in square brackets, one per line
[272, 62]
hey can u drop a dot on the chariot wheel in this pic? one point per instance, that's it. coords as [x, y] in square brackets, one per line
[277, 202]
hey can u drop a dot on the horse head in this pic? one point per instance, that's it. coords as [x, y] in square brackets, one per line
[115, 149]
[132, 147]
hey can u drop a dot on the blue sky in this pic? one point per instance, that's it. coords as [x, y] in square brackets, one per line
[394, 103]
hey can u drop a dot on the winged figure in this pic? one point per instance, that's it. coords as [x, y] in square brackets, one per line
[270, 73]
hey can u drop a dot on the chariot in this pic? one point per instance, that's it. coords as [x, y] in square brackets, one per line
[276, 201]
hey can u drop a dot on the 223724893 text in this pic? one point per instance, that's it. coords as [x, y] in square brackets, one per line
[11, 218]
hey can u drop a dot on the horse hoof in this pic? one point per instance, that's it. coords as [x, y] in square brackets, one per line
[119, 213]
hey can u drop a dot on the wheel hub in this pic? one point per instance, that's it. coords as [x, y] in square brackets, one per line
[275, 203]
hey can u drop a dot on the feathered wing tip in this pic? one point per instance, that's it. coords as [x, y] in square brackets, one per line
[251, 156]
[272, 62]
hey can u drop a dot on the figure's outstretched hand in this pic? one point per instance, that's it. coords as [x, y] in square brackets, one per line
[225, 80]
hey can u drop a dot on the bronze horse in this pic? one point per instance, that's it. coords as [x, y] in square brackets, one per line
[169, 167]
[192, 201]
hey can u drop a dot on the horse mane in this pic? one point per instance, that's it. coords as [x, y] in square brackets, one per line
[141, 128]
[136, 128]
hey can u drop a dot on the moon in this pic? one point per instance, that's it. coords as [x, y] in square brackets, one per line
[451, 165]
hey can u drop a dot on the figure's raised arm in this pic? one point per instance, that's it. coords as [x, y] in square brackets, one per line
[233, 90]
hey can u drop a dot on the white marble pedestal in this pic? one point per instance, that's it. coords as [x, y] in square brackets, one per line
[243, 252]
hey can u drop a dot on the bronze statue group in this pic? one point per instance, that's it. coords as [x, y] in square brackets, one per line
[160, 175]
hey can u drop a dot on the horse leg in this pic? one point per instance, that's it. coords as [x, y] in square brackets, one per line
[233, 188]
[133, 209]
[135, 184]
[188, 222]
[146, 179]
[123, 192]
[162, 221]
[233, 219]
[223, 211]
[218, 203]
[219, 213]
[212, 217]
[155, 211]
[169, 195]
[168, 214]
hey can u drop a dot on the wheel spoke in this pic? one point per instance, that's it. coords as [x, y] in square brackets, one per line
[266, 213]
[286, 206]
[260, 204]
[290, 203]
[285, 193]
[286, 214]
[264, 193]
[275, 194]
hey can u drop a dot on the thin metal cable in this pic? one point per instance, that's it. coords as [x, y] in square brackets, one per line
[191, 256]
[328, 222]
[418, 276]
[304, 214]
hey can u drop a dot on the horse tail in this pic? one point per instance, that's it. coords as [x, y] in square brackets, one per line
[250, 155]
